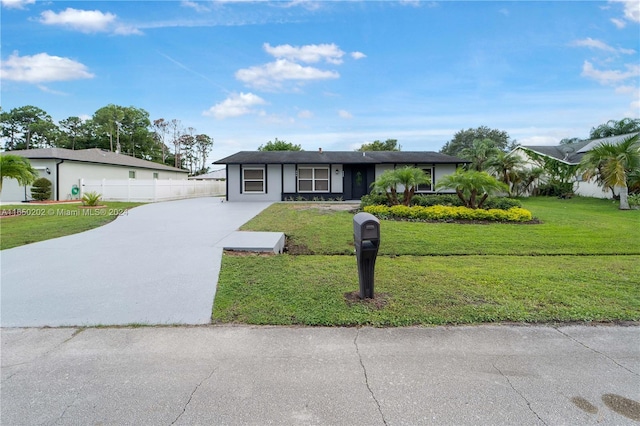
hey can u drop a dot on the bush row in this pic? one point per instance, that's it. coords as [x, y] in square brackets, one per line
[441, 200]
[444, 213]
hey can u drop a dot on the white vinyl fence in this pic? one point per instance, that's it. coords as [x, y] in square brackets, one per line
[147, 190]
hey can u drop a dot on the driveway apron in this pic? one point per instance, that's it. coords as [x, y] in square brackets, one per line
[156, 264]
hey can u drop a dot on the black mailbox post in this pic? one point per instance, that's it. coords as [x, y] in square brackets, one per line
[366, 237]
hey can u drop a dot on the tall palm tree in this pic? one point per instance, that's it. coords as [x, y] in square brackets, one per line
[479, 153]
[469, 184]
[611, 164]
[18, 168]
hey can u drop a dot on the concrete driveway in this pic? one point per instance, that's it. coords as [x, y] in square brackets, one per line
[158, 264]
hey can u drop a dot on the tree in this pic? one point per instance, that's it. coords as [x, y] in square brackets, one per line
[203, 145]
[388, 145]
[558, 175]
[161, 128]
[612, 163]
[615, 128]
[407, 177]
[27, 127]
[278, 145]
[469, 184]
[18, 168]
[464, 139]
[509, 169]
[71, 131]
[569, 141]
[479, 153]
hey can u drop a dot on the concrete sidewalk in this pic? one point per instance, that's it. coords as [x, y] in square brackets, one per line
[156, 264]
[228, 375]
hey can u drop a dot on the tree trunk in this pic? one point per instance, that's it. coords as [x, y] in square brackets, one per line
[624, 198]
[461, 196]
[482, 200]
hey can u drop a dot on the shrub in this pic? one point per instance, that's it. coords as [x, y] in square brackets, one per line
[514, 214]
[41, 189]
[436, 200]
[634, 200]
[373, 200]
[502, 203]
[555, 189]
[91, 199]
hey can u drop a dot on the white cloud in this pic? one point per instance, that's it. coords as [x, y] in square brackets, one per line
[345, 114]
[16, 4]
[600, 45]
[619, 23]
[310, 53]
[610, 77]
[87, 21]
[305, 113]
[358, 55]
[197, 6]
[42, 68]
[235, 105]
[271, 76]
[631, 9]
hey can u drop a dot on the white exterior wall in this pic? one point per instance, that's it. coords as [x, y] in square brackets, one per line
[14, 193]
[337, 178]
[289, 177]
[70, 174]
[273, 190]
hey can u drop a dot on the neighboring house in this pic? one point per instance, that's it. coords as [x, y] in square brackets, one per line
[571, 154]
[220, 174]
[65, 167]
[287, 175]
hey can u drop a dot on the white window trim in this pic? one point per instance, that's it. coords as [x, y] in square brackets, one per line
[313, 180]
[263, 180]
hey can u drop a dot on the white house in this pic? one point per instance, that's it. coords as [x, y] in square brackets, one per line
[65, 167]
[346, 175]
[571, 154]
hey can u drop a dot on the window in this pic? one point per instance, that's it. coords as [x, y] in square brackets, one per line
[132, 174]
[313, 179]
[155, 175]
[429, 187]
[253, 180]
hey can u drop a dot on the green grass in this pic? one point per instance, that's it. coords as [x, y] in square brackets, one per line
[45, 221]
[582, 263]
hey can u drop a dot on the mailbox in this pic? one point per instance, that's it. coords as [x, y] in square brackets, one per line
[366, 238]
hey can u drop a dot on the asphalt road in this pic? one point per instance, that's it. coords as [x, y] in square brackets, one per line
[237, 375]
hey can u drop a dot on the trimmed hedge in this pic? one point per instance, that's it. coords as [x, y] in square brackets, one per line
[445, 213]
[429, 200]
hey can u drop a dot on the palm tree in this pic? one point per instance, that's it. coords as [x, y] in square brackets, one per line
[479, 153]
[18, 168]
[508, 168]
[410, 178]
[469, 184]
[387, 183]
[612, 164]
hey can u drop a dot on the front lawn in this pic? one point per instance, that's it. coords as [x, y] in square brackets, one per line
[582, 263]
[39, 222]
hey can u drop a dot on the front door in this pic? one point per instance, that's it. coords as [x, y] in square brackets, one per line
[359, 184]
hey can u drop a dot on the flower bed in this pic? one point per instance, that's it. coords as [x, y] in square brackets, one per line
[449, 213]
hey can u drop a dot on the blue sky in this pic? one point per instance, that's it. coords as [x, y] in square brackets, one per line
[330, 74]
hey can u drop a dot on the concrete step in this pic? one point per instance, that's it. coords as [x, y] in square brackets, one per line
[254, 241]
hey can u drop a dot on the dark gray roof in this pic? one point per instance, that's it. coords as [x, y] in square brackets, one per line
[339, 157]
[568, 153]
[573, 152]
[93, 155]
